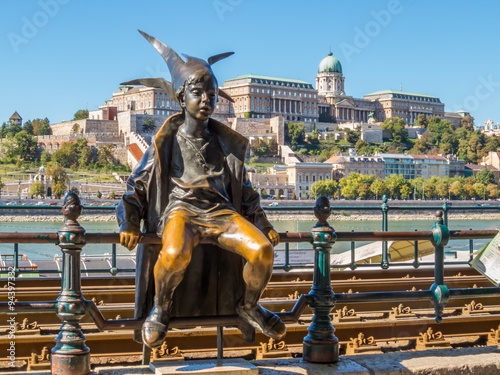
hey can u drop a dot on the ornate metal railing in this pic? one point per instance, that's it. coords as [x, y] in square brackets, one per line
[447, 209]
[71, 356]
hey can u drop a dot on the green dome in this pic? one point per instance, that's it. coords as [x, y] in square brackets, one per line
[42, 168]
[330, 64]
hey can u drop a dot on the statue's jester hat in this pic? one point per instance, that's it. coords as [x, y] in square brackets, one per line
[180, 70]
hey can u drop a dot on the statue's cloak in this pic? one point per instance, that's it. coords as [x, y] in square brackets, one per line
[213, 282]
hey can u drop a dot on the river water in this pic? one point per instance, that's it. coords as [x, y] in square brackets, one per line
[48, 251]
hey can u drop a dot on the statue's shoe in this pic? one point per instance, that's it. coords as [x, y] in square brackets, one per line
[153, 333]
[263, 320]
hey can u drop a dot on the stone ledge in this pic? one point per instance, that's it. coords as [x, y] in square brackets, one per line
[480, 360]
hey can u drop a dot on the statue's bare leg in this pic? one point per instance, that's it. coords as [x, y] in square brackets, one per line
[243, 238]
[178, 242]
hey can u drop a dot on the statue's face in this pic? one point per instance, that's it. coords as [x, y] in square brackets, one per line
[200, 97]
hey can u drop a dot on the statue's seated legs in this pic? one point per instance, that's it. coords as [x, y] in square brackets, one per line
[235, 234]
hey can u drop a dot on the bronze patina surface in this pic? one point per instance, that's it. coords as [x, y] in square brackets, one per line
[191, 186]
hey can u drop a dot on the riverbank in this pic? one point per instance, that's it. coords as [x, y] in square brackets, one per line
[424, 215]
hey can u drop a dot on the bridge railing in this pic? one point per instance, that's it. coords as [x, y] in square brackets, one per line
[71, 356]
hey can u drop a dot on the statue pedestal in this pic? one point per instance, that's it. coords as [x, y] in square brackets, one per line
[229, 366]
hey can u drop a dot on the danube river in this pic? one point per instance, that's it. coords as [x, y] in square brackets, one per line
[48, 251]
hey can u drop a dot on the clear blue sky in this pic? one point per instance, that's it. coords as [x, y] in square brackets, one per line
[56, 59]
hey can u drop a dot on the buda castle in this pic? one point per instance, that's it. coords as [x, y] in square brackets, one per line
[261, 107]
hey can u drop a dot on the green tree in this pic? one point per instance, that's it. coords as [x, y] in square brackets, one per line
[443, 188]
[37, 189]
[58, 189]
[259, 147]
[438, 127]
[67, 155]
[295, 133]
[14, 128]
[492, 144]
[25, 146]
[352, 136]
[4, 129]
[263, 194]
[467, 123]
[41, 126]
[360, 146]
[85, 156]
[149, 125]
[99, 194]
[378, 188]
[59, 178]
[105, 154]
[313, 138]
[492, 191]
[349, 185]
[326, 188]
[480, 190]
[422, 121]
[28, 127]
[485, 176]
[405, 191]
[449, 142]
[75, 129]
[469, 190]
[420, 147]
[394, 184]
[397, 127]
[457, 189]
[364, 191]
[81, 114]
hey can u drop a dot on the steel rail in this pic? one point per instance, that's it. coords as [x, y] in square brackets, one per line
[190, 340]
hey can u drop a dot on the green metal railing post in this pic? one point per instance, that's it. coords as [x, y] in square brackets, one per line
[416, 263]
[353, 264]
[385, 255]
[441, 294]
[287, 267]
[321, 345]
[16, 259]
[471, 249]
[71, 355]
[113, 270]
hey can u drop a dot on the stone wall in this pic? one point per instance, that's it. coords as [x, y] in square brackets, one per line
[85, 126]
[132, 122]
[372, 136]
[415, 132]
[43, 140]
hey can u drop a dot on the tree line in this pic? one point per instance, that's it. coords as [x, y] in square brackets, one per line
[440, 137]
[19, 146]
[357, 185]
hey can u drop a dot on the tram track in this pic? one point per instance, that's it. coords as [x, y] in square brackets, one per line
[361, 324]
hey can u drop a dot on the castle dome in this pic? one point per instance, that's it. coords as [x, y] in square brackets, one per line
[330, 64]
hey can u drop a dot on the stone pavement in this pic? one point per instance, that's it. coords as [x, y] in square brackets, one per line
[477, 361]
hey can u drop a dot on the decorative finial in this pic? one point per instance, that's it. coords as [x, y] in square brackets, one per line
[384, 198]
[322, 210]
[72, 207]
[439, 216]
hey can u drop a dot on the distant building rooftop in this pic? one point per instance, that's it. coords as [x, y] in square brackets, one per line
[402, 94]
[272, 81]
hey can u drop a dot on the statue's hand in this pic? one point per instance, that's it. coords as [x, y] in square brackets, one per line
[129, 237]
[273, 236]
